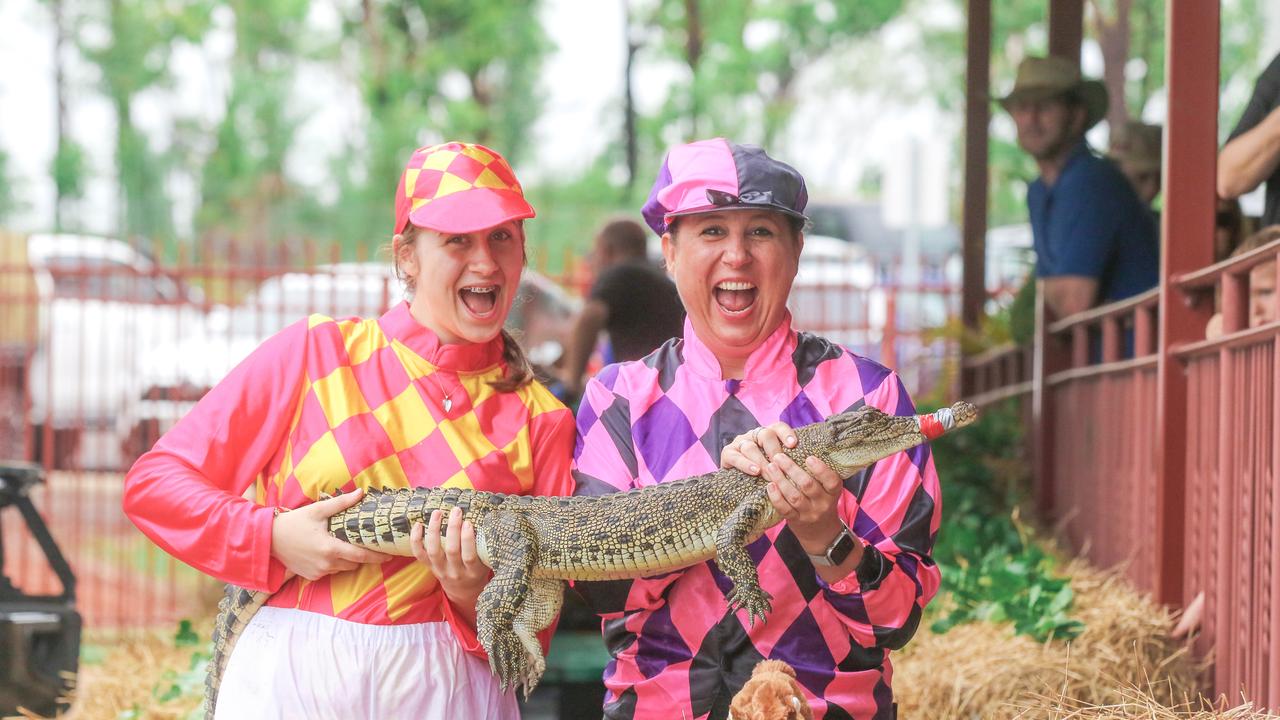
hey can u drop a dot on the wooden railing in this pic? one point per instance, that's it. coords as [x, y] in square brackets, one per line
[1093, 391]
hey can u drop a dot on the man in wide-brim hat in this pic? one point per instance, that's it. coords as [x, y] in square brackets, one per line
[1053, 106]
[1095, 241]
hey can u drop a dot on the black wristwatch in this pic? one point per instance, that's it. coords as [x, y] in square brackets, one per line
[839, 549]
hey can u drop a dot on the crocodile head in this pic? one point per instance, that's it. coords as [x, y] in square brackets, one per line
[860, 437]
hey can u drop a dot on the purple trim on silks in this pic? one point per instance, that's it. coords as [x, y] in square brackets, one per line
[662, 435]
[804, 655]
[884, 701]
[800, 412]
[608, 375]
[660, 644]
[850, 605]
[871, 374]
[865, 527]
[722, 581]
[587, 418]
[909, 567]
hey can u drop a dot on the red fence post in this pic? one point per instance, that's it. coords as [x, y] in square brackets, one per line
[1190, 165]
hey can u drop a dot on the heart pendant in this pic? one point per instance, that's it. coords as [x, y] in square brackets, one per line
[448, 404]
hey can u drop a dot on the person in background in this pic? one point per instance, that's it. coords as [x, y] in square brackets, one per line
[850, 569]
[432, 392]
[1262, 285]
[1136, 148]
[1251, 155]
[1095, 241]
[1229, 229]
[632, 299]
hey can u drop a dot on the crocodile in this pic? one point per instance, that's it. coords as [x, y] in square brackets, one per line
[534, 544]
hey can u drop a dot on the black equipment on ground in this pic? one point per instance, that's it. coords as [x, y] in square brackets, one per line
[39, 635]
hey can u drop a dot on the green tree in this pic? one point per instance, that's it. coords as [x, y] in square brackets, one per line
[68, 166]
[245, 193]
[742, 59]
[8, 198]
[133, 56]
[434, 70]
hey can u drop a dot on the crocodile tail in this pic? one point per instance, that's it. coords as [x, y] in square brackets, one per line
[235, 609]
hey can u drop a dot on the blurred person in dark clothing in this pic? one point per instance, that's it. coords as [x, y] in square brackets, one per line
[632, 299]
[1252, 153]
[1229, 228]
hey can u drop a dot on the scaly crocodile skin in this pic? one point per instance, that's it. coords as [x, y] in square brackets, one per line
[534, 544]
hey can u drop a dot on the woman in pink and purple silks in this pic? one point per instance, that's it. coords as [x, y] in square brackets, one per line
[849, 570]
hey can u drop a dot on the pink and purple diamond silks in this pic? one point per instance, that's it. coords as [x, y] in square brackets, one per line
[675, 649]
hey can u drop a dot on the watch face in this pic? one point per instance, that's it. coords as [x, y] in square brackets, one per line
[840, 549]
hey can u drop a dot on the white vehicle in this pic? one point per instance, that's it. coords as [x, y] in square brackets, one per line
[834, 293]
[100, 306]
[178, 374]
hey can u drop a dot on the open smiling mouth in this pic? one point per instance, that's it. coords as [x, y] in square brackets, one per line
[480, 299]
[735, 298]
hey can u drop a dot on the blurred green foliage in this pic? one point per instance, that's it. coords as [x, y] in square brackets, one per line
[421, 71]
[8, 198]
[992, 565]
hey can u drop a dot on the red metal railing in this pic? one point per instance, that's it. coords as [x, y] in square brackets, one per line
[1100, 483]
[105, 349]
[1233, 502]
[1095, 448]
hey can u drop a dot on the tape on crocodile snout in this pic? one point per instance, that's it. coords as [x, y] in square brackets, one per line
[936, 423]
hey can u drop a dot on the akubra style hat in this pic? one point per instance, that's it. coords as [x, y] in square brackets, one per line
[714, 175]
[458, 187]
[1041, 78]
[1138, 144]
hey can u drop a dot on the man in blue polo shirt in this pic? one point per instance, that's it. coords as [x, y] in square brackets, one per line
[1095, 241]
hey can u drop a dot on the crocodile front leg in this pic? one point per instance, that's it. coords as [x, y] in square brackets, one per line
[539, 610]
[509, 538]
[733, 560]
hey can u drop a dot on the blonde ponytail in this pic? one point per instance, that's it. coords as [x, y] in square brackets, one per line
[519, 371]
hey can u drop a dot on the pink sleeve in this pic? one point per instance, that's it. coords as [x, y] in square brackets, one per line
[898, 515]
[185, 493]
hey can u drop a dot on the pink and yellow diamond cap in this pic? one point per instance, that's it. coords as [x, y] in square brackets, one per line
[458, 187]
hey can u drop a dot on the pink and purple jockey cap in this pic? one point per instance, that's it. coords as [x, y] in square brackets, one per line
[719, 175]
[458, 187]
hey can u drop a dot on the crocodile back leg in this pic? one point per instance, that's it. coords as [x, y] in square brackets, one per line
[745, 523]
[510, 541]
[536, 613]
[235, 609]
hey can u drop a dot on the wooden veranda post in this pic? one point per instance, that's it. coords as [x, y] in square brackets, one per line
[977, 116]
[1186, 244]
[1066, 28]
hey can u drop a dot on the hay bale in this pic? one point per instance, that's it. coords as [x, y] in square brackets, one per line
[983, 670]
[128, 678]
